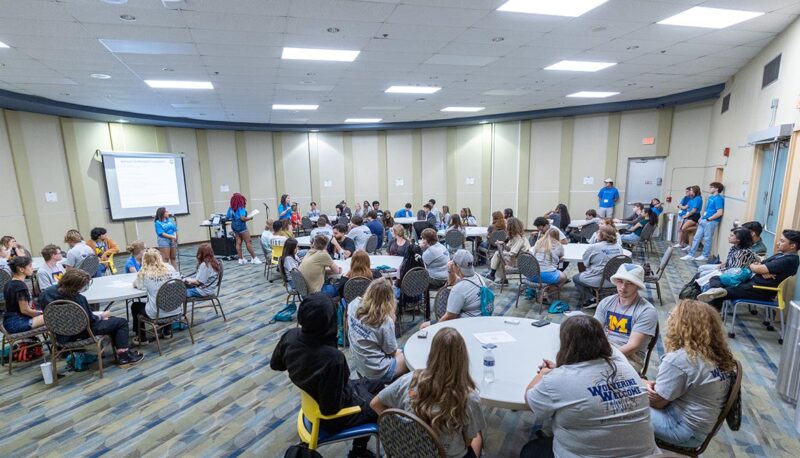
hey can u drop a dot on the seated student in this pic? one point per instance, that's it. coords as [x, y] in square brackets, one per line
[739, 255]
[508, 213]
[284, 230]
[688, 225]
[574, 234]
[628, 319]
[435, 257]
[134, 262]
[361, 211]
[388, 223]
[465, 297]
[548, 251]
[434, 211]
[467, 218]
[4, 259]
[595, 259]
[634, 233]
[443, 395]
[69, 288]
[426, 214]
[498, 223]
[560, 217]
[323, 228]
[340, 245]
[771, 273]
[370, 320]
[591, 398]
[656, 207]
[51, 272]
[694, 376]
[154, 273]
[399, 244]
[376, 206]
[289, 261]
[343, 210]
[317, 367]
[78, 250]
[316, 263]
[266, 238]
[605, 222]
[359, 268]
[683, 205]
[755, 229]
[313, 212]
[103, 248]
[204, 281]
[455, 224]
[542, 227]
[14, 249]
[404, 212]
[375, 227]
[20, 314]
[359, 233]
[634, 217]
[444, 216]
[508, 250]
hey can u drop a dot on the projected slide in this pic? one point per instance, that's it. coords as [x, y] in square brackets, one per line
[139, 183]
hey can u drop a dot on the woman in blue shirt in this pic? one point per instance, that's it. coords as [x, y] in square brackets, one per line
[167, 234]
[134, 262]
[237, 215]
[285, 207]
[692, 216]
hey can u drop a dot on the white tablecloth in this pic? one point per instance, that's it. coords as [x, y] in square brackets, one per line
[471, 231]
[374, 261]
[405, 220]
[112, 288]
[304, 241]
[515, 362]
[574, 251]
[577, 223]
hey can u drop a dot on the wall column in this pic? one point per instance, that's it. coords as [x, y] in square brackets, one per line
[349, 173]
[565, 167]
[487, 141]
[664, 132]
[524, 171]
[205, 171]
[22, 168]
[76, 176]
[416, 168]
[452, 185]
[612, 147]
[383, 169]
[313, 162]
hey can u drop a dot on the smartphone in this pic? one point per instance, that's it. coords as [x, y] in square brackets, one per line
[540, 323]
[422, 334]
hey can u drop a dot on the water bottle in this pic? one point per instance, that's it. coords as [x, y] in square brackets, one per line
[488, 363]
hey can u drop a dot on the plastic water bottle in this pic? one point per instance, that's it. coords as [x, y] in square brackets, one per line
[488, 363]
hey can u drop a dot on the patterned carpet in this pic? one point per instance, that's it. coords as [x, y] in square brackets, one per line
[218, 397]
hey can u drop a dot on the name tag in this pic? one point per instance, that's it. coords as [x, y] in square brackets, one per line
[605, 201]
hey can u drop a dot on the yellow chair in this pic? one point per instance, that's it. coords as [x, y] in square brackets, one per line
[308, 425]
[277, 252]
[778, 304]
[109, 263]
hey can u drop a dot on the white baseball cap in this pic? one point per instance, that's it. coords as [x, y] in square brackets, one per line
[608, 180]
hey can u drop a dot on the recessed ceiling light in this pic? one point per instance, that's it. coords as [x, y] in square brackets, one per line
[167, 69]
[3, 45]
[593, 94]
[413, 89]
[127, 17]
[333, 29]
[483, 122]
[121, 121]
[363, 120]
[170, 84]
[100, 76]
[335, 55]
[712, 18]
[116, 2]
[464, 109]
[498, 39]
[283, 106]
[573, 8]
[580, 66]
[314, 130]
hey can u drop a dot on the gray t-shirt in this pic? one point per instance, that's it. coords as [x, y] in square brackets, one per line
[620, 321]
[372, 347]
[208, 279]
[397, 395]
[326, 231]
[151, 285]
[48, 276]
[588, 417]
[465, 297]
[436, 258]
[696, 388]
[595, 259]
[548, 262]
[77, 254]
[360, 235]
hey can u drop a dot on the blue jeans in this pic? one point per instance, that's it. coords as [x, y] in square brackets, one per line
[330, 290]
[630, 238]
[17, 322]
[669, 427]
[705, 231]
[194, 292]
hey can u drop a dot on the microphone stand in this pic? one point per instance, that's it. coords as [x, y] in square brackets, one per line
[267, 207]
[177, 248]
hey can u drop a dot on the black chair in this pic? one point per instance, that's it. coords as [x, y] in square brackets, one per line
[171, 296]
[353, 288]
[306, 225]
[587, 231]
[656, 277]
[413, 293]
[5, 277]
[650, 347]
[11, 339]
[645, 239]
[420, 226]
[343, 220]
[372, 244]
[528, 267]
[300, 284]
[609, 270]
[213, 298]
[403, 434]
[68, 319]
[454, 240]
[90, 265]
[498, 235]
[440, 302]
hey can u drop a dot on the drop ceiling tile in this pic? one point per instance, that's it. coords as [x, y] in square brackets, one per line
[455, 59]
[44, 28]
[729, 37]
[431, 15]
[319, 27]
[148, 47]
[641, 11]
[420, 32]
[669, 34]
[232, 21]
[405, 45]
[341, 9]
[504, 20]
[254, 52]
[110, 14]
[773, 23]
[138, 32]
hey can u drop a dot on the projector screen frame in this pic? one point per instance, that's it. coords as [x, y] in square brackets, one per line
[102, 155]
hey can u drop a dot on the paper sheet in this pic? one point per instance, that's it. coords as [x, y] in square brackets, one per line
[494, 337]
[253, 213]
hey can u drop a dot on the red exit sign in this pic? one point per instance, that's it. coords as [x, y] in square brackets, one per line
[648, 140]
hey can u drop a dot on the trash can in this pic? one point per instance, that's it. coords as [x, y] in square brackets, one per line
[788, 382]
[672, 230]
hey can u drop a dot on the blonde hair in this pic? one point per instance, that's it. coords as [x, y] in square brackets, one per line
[607, 233]
[73, 236]
[547, 242]
[359, 265]
[399, 231]
[135, 247]
[153, 266]
[377, 305]
[697, 328]
[440, 392]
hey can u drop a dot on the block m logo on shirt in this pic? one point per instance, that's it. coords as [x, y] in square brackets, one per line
[618, 323]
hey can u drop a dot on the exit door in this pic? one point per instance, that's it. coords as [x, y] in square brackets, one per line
[645, 181]
[770, 185]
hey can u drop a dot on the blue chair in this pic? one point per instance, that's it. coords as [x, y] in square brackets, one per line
[778, 304]
[311, 433]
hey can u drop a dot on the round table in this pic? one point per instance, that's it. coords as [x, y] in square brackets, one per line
[516, 362]
[471, 231]
[574, 251]
[304, 241]
[374, 261]
[406, 220]
[110, 288]
[579, 223]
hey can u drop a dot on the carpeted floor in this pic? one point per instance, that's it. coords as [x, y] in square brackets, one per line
[218, 397]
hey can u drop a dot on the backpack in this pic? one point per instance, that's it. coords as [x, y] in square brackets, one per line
[285, 314]
[690, 290]
[28, 351]
[487, 299]
[411, 260]
[301, 451]
[79, 361]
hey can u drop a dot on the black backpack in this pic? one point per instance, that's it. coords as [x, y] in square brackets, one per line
[301, 451]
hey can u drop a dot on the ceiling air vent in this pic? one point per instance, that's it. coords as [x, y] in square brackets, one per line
[771, 71]
[726, 103]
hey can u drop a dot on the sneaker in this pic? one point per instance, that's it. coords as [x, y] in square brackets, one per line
[129, 358]
[590, 305]
[490, 277]
[686, 248]
[687, 257]
[256, 261]
[677, 245]
[242, 261]
[711, 294]
[701, 258]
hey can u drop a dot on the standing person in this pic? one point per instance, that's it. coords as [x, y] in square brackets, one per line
[52, 271]
[375, 227]
[443, 396]
[591, 397]
[154, 273]
[404, 212]
[313, 212]
[715, 209]
[78, 250]
[694, 376]
[399, 244]
[317, 367]
[204, 282]
[340, 245]
[104, 248]
[237, 214]
[595, 259]
[370, 320]
[607, 198]
[316, 263]
[628, 319]
[688, 224]
[285, 207]
[134, 262]
[20, 315]
[167, 234]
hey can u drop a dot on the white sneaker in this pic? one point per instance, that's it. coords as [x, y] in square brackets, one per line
[242, 261]
[687, 257]
[701, 258]
[256, 261]
[711, 294]
[677, 245]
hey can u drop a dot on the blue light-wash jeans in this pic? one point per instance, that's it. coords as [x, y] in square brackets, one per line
[669, 427]
[631, 238]
[705, 231]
